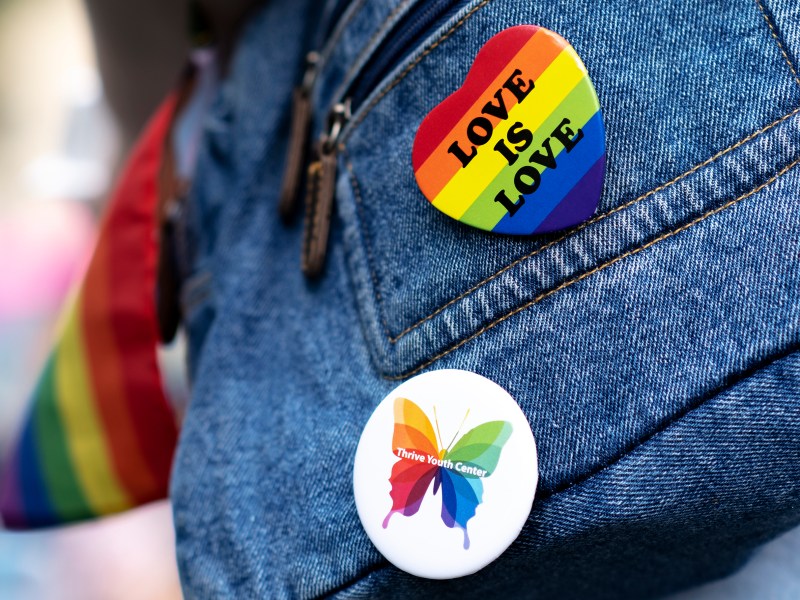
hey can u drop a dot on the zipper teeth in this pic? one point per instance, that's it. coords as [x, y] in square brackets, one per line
[322, 173]
[369, 49]
[383, 88]
[410, 30]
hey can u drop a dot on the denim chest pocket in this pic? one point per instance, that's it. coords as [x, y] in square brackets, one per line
[700, 110]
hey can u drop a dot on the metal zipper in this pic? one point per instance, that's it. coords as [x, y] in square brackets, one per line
[320, 191]
[406, 35]
[302, 109]
[321, 187]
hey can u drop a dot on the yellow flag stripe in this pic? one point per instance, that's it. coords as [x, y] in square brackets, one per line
[85, 434]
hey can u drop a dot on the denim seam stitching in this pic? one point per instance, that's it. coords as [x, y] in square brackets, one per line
[367, 245]
[591, 272]
[357, 121]
[339, 28]
[777, 39]
[677, 418]
[360, 118]
[597, 219]
[388, 22]
[570, 233]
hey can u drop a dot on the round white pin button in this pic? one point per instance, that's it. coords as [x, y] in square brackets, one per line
[445, 474]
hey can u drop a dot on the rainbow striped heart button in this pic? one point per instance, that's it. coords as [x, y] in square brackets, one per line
[519, 148]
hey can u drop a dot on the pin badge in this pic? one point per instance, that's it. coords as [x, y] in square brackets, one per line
[445, 474]
[520, 147]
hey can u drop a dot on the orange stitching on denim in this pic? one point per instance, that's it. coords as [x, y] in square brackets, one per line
[778, 41]
[370, 258]
[413, 65]
[596, 219]
[593, 220]
[597, 269]
[387, 23]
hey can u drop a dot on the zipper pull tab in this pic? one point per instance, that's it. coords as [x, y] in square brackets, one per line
[321, 190]
[298, 138]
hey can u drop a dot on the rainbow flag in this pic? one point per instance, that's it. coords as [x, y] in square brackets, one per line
[520, 147]
[99, 435]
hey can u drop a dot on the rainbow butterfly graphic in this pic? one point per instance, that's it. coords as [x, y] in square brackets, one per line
[458, 469]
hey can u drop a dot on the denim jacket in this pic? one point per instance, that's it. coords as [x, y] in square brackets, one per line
[653, 348]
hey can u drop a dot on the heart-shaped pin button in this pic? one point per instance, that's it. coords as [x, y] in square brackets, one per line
[519, 148]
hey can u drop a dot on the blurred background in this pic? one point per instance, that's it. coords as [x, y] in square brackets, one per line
[60, 146]
[64, 129]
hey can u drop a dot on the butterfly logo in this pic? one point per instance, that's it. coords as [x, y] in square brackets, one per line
[458, 469]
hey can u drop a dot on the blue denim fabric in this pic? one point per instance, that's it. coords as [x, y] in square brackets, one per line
[654, 349]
